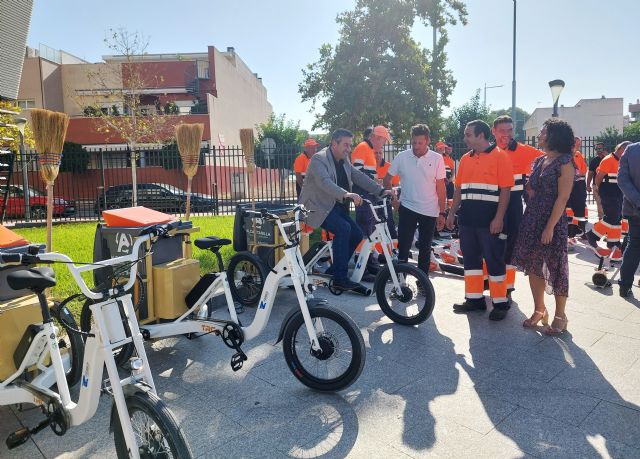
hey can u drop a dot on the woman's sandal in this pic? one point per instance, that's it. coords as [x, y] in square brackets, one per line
[551, 330]
[532, 321]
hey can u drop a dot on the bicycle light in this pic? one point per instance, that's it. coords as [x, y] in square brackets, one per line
[137, 365]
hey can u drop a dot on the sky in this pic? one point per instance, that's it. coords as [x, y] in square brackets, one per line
[587, 43]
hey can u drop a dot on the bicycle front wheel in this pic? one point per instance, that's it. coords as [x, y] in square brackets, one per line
[154, 427]
[413, 302]
[341, 358]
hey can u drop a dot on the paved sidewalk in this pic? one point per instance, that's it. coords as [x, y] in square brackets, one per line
[455, 386]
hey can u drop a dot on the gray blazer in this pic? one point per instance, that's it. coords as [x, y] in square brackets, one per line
[629, 180]
[320, 191]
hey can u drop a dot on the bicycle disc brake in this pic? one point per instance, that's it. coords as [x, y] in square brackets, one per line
[233, 336]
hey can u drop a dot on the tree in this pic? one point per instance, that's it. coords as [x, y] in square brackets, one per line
[12, 133]
[122, 84]
[437, 14]
[521, 117]
[288, 139]
[610, 137]
[473, 110]
[376, 74]
[631, 132]
[75, 158]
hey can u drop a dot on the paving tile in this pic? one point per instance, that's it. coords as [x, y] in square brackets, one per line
[618, 388]
[547, 438]
[463, 405]
[552, 401]
[9, 423]
[605, 324]
[341, 443]
[615, 422]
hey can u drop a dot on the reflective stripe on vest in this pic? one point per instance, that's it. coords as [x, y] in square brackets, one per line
[480, 192]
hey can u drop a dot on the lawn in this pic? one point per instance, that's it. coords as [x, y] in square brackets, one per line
[76, 241]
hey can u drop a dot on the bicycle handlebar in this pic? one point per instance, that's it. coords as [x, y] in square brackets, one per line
[150, 232]
[300, 212]
[159, 230]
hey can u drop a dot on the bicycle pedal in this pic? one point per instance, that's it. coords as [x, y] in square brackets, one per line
[237, 360]
[18, 437]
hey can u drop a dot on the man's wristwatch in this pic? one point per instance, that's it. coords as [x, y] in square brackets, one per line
[443, 214]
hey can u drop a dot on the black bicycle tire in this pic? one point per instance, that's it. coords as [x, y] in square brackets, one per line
[424, 313]
[261, 269]
[155, 408]
[75, 342]
[121, 354]
[297, 368]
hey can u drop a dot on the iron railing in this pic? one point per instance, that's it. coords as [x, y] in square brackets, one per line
[90, 182]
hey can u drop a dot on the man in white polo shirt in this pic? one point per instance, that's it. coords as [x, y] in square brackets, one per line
[423, 198]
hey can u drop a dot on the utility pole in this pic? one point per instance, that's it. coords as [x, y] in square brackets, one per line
[513, 83]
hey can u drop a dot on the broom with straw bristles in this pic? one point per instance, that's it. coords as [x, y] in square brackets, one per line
[189, 137]
[246, 140]
[49, 130]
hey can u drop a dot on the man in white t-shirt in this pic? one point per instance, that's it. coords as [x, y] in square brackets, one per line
[423, 198]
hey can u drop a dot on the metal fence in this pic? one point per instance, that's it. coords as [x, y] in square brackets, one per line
[90, 182]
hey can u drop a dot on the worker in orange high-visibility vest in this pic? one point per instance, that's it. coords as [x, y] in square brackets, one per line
[381, 172]
[522, 157]
[363, 158]
[449, 167]
[610, 226]
[301, 163]
[483, 186]
[577, 204]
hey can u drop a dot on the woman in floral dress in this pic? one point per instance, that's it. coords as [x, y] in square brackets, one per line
[541, 246]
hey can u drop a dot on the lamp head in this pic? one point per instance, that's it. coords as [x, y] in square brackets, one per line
[556, 88]
[21, 123]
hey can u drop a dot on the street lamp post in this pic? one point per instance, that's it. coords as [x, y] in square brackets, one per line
[485, 92]
[22, 123]
[556, 88]
[513, 83]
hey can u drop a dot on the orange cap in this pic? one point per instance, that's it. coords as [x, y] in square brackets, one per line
[382, 132]
[311, 143]
[441, 144]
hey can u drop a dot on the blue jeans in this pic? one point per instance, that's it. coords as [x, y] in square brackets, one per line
[631, 257]
[346, 237]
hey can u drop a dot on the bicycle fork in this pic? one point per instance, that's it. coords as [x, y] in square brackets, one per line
[299, 278]
[112, 335]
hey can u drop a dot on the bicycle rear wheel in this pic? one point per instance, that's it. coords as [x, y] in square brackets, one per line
[121, 354]
[246, 273]
[341, 358]
[70, 343]
[413, 303]
[155, 428]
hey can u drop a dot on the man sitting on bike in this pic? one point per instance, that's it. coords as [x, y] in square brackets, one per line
[327, 191]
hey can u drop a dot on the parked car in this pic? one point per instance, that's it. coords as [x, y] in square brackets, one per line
[157, 196]
[37, 204]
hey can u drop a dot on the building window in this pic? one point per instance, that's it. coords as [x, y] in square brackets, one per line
[24, 104]
[203, 69]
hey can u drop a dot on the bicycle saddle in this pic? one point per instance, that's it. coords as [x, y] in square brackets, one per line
[211, 242]
[35, 279]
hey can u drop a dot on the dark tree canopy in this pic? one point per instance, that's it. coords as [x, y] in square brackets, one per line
[456, 122]
[377, 73]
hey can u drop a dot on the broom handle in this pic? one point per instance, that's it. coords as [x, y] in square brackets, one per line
[253, 208]
[188, 210]
[49, 216]
[187, 239]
